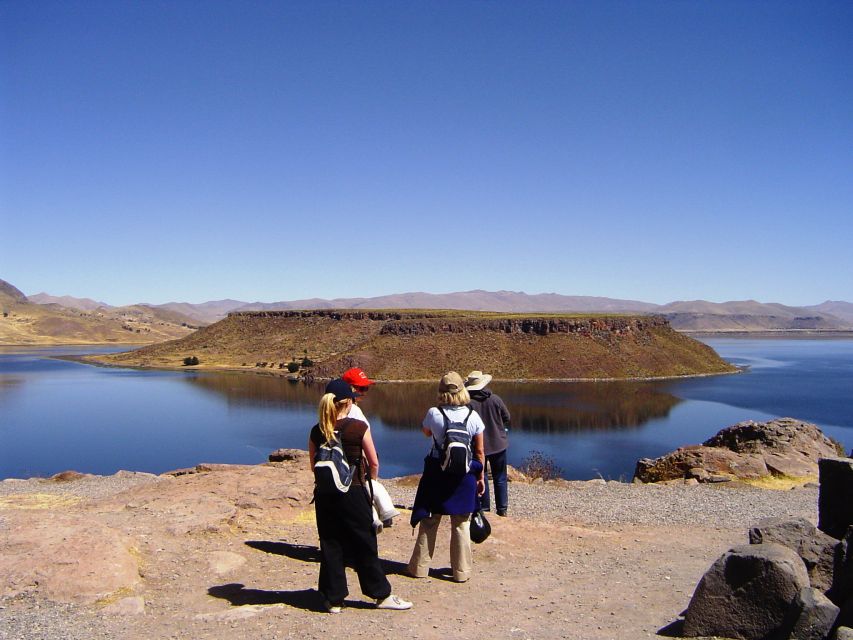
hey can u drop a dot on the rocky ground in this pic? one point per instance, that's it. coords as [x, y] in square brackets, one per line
[230, 551]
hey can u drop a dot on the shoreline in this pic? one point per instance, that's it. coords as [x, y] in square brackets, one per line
[83, 359]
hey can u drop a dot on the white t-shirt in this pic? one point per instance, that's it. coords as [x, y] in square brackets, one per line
[356, 412]
[434, 421]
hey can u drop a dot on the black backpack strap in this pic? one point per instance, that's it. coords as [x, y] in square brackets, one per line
[446, 426]
[470, 411]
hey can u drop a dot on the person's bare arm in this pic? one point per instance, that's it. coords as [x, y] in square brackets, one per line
[312, 451]
[370, 454]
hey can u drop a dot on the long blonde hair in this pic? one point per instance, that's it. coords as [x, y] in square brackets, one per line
[328, 414]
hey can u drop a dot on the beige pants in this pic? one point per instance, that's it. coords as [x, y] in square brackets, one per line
[460, 547]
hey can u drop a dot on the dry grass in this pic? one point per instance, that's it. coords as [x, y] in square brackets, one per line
[780, 482]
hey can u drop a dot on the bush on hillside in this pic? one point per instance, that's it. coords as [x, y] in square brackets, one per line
[293, 366]
[190, 361]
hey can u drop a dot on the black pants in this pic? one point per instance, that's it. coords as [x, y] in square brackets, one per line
[345, 527]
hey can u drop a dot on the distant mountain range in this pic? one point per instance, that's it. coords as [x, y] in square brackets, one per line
[83, 304]
[693, 316]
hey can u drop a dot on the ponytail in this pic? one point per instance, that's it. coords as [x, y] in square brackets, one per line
[328, 415]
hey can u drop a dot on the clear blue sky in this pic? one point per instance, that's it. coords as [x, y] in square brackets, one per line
[190, 151]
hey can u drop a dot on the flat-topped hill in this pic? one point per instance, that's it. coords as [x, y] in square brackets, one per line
[422, 344]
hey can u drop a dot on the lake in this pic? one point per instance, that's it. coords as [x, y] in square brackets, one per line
[58, 414]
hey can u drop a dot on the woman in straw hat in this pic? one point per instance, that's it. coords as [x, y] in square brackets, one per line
[441, 493]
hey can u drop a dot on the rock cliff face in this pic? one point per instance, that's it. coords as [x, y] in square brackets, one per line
[421, 345]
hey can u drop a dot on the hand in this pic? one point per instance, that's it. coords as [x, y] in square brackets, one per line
[481, 487]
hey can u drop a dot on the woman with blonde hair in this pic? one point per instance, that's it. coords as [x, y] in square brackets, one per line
[344, 519]
[443, 493]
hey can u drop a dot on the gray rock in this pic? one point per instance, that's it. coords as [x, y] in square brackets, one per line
[835, 501]
[844, 633]
[842, 584]
[284, 455]
[784, 446]
[816, 549]
[747, 593]
[816, 616]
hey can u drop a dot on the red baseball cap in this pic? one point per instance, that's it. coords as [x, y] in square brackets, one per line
[356, 377]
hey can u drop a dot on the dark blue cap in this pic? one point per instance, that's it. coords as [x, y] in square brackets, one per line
[341, 389]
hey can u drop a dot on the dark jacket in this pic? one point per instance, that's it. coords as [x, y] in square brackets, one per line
[442, 493]
[495, 416]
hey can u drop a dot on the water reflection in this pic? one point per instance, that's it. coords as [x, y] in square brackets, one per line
[535, 407]
[8, 385]
[249, 390]
[585, 406]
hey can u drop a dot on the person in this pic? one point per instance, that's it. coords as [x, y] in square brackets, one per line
[344, 522]
[384, 511]
[440, 493]
[360, 383]
[495, 415]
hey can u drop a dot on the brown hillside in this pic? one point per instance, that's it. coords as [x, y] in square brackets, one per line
[26, 323]
[420, 345]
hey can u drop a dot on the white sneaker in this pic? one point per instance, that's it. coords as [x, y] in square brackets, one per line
[331, 608]
[393, 602]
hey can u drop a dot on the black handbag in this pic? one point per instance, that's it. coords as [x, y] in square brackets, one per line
[480, 527]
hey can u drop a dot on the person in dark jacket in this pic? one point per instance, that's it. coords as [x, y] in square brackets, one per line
[496, 417]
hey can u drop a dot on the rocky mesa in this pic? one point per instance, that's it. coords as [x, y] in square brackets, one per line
[420, 345]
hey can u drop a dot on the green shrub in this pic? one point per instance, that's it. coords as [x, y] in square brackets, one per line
[293, 366]
[539, 465]
[307, 362]
[190, 361]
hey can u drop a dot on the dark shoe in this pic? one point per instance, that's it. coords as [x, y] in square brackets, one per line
[502, 512]
[388, 523]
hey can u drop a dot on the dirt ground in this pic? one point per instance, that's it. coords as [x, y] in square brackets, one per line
[231, 552]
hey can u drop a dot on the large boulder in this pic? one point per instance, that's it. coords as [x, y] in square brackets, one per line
[782, 435]
[842, 583]
[748, 593]
[706, 464]
[747, 450]
[815, 548]
[835, 503]
[814, 615]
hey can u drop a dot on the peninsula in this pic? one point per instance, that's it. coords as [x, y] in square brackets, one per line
[396, 345]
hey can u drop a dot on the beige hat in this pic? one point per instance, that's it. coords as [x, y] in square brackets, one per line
[477, 380]
[451, 382]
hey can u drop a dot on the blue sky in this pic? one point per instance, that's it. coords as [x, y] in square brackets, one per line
[659, 151]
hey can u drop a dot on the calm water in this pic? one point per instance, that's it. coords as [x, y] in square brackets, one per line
[57, 415]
